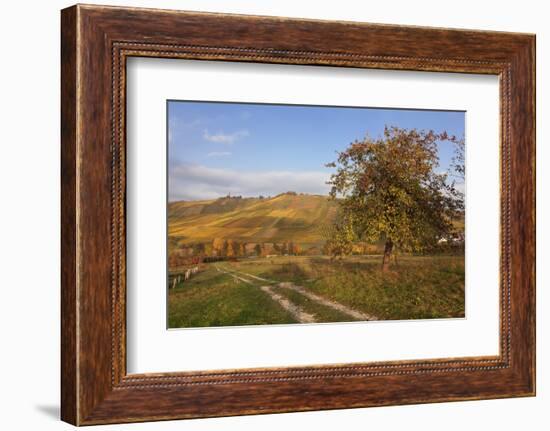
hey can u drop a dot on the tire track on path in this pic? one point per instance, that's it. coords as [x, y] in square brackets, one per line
[357, 315]
[297, 312]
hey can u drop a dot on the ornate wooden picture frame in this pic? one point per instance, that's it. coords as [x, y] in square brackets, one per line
[96, 41]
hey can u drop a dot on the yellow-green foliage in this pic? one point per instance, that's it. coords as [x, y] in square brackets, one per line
[390, 187]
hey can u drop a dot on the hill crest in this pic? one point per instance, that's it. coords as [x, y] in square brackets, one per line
[286, 217]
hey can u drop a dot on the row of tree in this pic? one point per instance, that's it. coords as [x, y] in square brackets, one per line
[221, 247]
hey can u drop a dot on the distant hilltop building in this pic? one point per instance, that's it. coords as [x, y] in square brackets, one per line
[232, 197]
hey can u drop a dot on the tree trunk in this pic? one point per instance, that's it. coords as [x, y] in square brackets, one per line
[387, 255]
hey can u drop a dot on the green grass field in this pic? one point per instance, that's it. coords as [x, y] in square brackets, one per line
[252, 291]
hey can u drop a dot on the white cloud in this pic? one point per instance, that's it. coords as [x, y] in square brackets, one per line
[219, 154]
[225, 138]
[192, 182]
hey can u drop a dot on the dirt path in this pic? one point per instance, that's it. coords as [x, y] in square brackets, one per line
[297, 312]
[255, 277]
[328, 303]
[358, 315]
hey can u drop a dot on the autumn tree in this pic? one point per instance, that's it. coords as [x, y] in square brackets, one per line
[340, 236]
[389, 189]
[233, 248]
[229, 248]
[199, 249]
[293, 248]
[219, 246]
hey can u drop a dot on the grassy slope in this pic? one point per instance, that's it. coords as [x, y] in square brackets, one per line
[422, 287]
[281, 218]
[419, 288]
[216, 299]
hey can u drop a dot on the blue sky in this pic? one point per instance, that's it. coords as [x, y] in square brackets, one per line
[250, 149]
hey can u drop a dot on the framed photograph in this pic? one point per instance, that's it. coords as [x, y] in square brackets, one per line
[264, 215]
